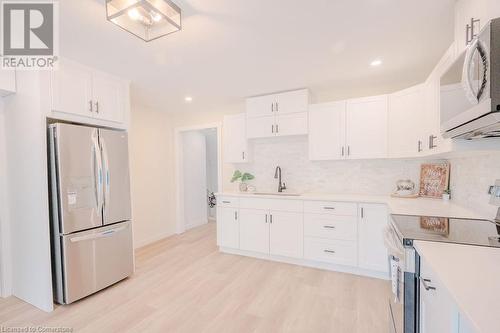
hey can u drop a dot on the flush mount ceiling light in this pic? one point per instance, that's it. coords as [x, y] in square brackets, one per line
[147, 19]
[375, 63]
[188, 99]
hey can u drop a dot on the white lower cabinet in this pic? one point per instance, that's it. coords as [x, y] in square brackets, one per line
[438, 311]
[372, 251]
[286, 234]
[337, 233]
[254, 230]
[229, 225]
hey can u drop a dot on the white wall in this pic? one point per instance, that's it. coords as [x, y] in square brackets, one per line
[194, 174]
[152, 175]
[27, 184]
[5, 259]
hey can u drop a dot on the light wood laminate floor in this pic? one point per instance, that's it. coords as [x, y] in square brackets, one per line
[183, 284]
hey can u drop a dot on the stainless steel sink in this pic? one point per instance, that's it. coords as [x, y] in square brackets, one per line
[278, 194]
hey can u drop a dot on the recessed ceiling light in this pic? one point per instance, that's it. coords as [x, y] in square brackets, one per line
[188, 99]
[377, 62]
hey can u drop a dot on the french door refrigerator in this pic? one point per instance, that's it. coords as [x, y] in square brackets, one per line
[90, 210]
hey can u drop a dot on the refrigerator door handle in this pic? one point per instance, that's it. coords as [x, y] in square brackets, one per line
[106, 184]
[98, 172]
[102, 234]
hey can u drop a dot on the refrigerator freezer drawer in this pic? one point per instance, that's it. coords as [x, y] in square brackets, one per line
[95, 259]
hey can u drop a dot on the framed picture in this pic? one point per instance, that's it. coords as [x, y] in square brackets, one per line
[434, 179]
[439, 225]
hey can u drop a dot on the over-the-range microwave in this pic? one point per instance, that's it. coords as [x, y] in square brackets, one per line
[470, 89]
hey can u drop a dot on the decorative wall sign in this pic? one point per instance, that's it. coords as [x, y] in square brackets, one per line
[439, 225]
[434, 179]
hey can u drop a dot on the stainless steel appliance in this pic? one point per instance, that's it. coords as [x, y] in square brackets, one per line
[405, 229]
[90, 209]
[470, 89]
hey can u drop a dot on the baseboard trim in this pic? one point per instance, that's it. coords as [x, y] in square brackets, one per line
[309, 263]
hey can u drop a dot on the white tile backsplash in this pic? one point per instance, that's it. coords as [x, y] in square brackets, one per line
[470, 175]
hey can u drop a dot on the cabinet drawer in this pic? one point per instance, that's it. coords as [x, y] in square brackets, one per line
[330, 226]
[331, 251]
[228, 202]
[329, 207]
[284, 205]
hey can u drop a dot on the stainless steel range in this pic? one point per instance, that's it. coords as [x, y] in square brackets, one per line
[405, 261]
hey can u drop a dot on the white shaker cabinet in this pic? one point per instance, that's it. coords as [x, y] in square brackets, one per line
[281, 114]
[108, 95]
[286, 234]
[228, 223]
[235, 146]
[85, 92]
[254, 230]
[373, 219]
[366, 123]
[407, 116]
[327, 131]
[72, 89]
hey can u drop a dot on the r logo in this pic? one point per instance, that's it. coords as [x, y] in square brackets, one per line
[28, 28]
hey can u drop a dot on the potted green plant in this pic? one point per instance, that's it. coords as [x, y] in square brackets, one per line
[243, 178]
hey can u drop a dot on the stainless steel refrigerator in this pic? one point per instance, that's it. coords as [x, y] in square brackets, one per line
[90, 209]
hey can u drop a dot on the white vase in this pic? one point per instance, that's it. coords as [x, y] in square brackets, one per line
[243, 187]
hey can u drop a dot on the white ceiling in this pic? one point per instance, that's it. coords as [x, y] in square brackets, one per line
[230, 49]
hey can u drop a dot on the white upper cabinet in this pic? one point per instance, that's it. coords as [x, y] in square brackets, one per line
[235, 140]
[84, 92]
[372, 251]
[72, 89]
[292, 102]
[465, 10]
[407, 116]
[108, 95]
[7, 82]
[280, 114]
[327, 131]
[366, 121]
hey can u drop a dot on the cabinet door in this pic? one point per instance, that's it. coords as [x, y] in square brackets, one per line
[72, 89]
[254, 230]
[109, 97]
[372, 251]
[367, 127]
[291, 124]
[438, 312]
[235, 140]
[292, 102]
[227, 221]
[286, 234]
[261, 127]
[261, 106]
[327, 131]
[7, 82]
[406, 119]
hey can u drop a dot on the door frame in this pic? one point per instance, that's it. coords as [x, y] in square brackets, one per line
[180, 223]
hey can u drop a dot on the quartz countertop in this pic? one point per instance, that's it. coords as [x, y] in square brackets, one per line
[471, 275]
[402, 206]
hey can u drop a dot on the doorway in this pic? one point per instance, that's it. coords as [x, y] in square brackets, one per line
[198, 175]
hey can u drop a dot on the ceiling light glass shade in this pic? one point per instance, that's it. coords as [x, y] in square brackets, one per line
[147, 19]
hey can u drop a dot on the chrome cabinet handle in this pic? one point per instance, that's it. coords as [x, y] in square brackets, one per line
[362, 213]
[329, 251]
[277, 107]
[277, 128]
[272, 128]
[343, 151]
[348, 150]
[271, 218]
[272, 107]
[266, 218]
[424, 283]
[97, 107]
[243, 155]
[327, 207]
[235, 215]
[226, 201]
[91, 109]
[329, 226]
[431, 141]
[419, 147]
